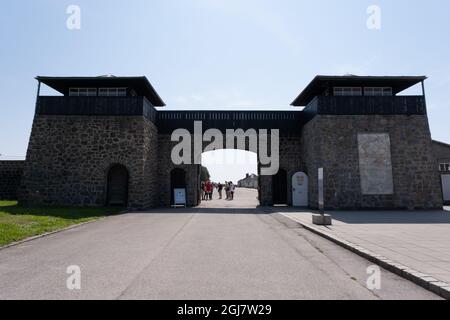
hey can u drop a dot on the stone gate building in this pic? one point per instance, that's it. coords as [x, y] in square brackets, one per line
[107, 141]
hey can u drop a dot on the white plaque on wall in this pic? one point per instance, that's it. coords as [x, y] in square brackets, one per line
[375, 165]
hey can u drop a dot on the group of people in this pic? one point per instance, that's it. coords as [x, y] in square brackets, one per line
[207, 190]
[229, 190]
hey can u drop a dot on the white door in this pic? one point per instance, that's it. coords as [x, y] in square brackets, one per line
[300, 190]
[446, 186]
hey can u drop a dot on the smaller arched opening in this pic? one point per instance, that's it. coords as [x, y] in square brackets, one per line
[279, 188]
[117, 194]
[177, 181]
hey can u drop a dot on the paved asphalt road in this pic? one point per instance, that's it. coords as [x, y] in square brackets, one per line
[201, 253]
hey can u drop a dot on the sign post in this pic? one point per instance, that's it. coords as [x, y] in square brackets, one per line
[320, 187]
[321, 219]
[179, 197]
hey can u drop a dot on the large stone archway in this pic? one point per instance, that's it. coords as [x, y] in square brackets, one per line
[287, 125]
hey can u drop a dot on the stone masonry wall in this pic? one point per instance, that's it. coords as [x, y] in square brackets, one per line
[165, 166]
[10, 177]
[291, 160]
[331, 142]
[69, 157]
[151, 155]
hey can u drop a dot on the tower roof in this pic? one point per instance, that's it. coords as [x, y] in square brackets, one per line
[320, 83]
[140, 84]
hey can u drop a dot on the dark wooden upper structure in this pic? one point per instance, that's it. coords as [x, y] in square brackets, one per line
[140, 85]
[323, 85]
[319, 98]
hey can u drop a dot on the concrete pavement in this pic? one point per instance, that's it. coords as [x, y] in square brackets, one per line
[243, 198]
[419, 240]
[200, 253]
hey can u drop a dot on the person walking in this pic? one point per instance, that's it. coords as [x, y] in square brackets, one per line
[219, 189]
[227, 190]
[211, 190]
[232, 188]
[203, 190]
[208, 190]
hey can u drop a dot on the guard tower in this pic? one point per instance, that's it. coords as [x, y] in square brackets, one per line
[373, 143]
[95, 144]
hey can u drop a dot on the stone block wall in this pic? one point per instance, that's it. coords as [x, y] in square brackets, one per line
[331, 142]
[151, 156]
[10, 177]
[291, 160]
[166, 165]
[69, 157]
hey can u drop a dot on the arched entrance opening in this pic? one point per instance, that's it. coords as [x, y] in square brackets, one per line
[117, 194]
[240, 167]
[177, 181]
[279, 188]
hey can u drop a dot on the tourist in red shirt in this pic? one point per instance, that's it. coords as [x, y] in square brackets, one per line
[208, 190]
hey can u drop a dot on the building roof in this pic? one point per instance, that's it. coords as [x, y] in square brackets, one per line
[320, 83]
[250, 176]
[140, 84]
[442, 143]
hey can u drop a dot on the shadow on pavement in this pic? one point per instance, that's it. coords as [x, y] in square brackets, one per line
[199, 210]
[350, 217]
[382, 216]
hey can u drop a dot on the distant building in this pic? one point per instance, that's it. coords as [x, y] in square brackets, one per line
[441, 152]
[250, 181]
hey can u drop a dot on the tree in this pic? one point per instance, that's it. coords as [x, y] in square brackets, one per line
[204, 174]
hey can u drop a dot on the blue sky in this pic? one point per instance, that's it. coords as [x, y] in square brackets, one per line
[219, 54]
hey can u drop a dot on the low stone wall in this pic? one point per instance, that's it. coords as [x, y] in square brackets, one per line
[10, 177]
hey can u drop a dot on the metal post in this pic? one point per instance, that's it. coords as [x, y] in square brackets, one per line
[320, 188]
[321, 218]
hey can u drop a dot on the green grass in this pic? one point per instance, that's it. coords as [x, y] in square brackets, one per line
[18, 223]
